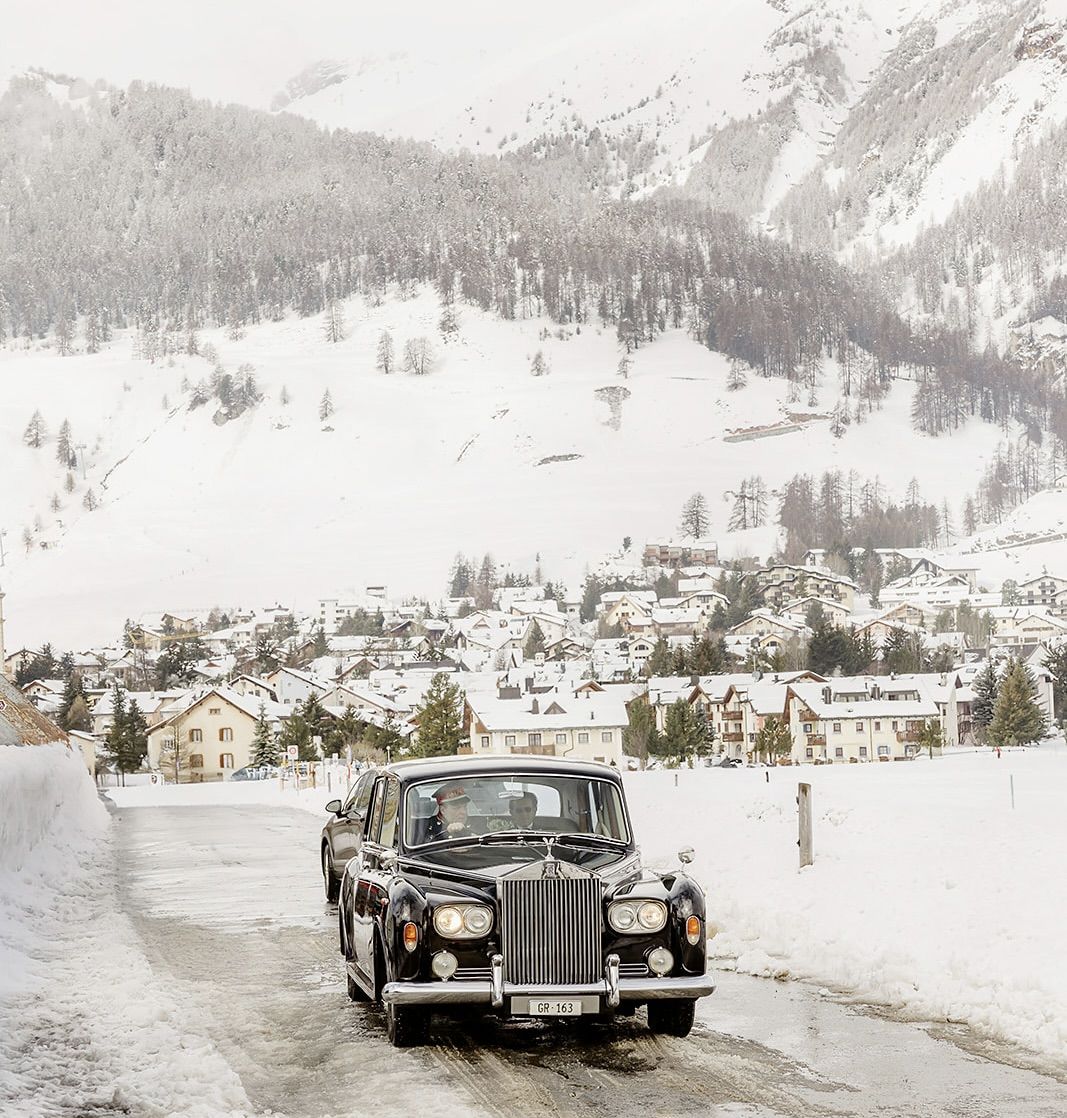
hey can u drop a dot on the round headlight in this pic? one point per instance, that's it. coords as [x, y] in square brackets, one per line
[477, 920]
[652, 915]
[448, 921]
[444, 964]
[623, 916]
[660, 961]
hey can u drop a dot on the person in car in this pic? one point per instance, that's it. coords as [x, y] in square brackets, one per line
[451, 818]
[523, 810]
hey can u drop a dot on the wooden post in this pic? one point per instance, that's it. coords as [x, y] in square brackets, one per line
[807, 856]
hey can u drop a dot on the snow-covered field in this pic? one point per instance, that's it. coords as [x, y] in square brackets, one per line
[277, 505]
[930, 892]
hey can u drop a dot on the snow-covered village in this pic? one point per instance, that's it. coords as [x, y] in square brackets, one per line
[533, 560]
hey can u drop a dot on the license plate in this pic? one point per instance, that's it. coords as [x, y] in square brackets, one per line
[553, 1007]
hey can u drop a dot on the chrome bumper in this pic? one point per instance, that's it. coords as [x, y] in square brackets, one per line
[494, 993]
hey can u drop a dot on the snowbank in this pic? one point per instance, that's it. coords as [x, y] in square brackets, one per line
[929, 892]
[85, 1026]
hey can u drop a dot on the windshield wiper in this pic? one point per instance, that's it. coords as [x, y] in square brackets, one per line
[567, 837]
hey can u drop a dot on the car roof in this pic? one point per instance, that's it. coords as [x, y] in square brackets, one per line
[465, 765]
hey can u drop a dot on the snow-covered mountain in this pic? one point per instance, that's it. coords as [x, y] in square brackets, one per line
[478, 455]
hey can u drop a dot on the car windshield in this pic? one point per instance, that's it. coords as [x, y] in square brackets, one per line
[522, 803]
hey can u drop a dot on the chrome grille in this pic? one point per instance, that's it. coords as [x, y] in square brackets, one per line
[633, 970]
[550, 930]
[473, 974]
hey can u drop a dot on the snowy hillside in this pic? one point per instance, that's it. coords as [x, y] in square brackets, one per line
[478, 455]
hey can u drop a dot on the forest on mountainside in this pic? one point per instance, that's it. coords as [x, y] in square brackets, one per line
[148, 208]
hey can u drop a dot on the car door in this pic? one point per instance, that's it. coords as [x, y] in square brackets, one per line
[372, 887]
[346, 833]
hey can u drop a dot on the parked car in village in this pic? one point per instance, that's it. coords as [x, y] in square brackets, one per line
[255, 772]
[343, 832]
[510, 884]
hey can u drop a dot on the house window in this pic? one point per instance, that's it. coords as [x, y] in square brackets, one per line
[214, 710]
[225, 760]
[196, 735]
[533, 739]
[485, 741]
[859, 727]
[838, 751]
[561, 739]
[583, 737]
[807, 727]
[606, 735]
[196, 760]
[863, 751]
[877, 727]
[837, 727]
[883, 751]
[509, 739]
[809, 753]
[751, 737]
[893, 725]
[225, 733]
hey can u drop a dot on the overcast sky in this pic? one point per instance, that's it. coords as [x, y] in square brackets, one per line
[245, 50]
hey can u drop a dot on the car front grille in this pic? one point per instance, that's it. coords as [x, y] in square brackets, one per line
[633, 970]
[550, 930]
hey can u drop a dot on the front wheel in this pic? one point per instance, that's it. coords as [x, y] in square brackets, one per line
[672, 1017]
[407, 1026]
[330, 883]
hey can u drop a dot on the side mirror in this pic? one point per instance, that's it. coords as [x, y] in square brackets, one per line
[334, 807]
[685, 855]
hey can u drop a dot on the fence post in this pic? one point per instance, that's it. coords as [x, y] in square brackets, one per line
[807, 856]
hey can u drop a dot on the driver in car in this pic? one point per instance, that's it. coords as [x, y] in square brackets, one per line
[451, 818]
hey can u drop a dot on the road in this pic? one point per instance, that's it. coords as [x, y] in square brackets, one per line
[228, 904]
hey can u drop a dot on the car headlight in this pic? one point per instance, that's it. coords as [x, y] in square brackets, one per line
[637, 916]
[466, 921]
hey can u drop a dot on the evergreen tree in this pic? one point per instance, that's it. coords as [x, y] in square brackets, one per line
[1017, 718]
[36, 431]
[296, 731]
[985, 685]
[695, 521]
[639, 730]
[325, 406]
[64, 448]
[113, 741]
[440, 727]
[538, 365]
[535, 642]
[334, 327]
[264, 747]
[660, 661]
[322, 645]
[773, 739]
[133, 742]
[386, 357]
[72, 691]
[591, 592]
[681, 735]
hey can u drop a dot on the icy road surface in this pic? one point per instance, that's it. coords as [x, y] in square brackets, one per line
[229, 905]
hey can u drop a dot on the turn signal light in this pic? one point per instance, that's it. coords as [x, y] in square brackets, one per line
[411, 936]
[692, 930]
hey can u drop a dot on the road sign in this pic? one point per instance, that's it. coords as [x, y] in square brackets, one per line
[293, 752]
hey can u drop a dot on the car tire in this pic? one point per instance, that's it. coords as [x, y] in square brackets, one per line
[407, 1026]
[355, 991]
[673, 1017]
[330, 883]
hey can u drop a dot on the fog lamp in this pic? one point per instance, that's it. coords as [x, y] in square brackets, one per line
[660, 961]
[444, 964]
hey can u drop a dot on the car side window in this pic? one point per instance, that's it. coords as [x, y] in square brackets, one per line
[360, 799]
[377, 810]
[392, 804]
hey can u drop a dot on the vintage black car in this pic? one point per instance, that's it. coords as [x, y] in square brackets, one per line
[343, 832]
[513, 884]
